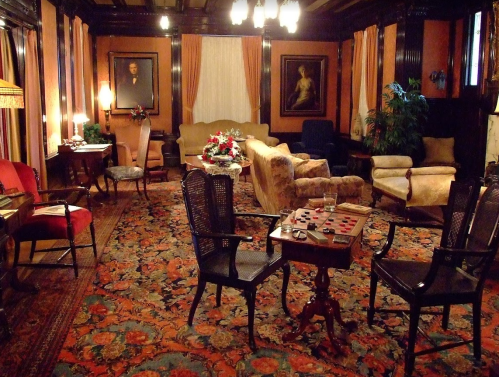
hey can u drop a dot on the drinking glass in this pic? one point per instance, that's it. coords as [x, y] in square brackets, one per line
[287, 220]
[330, 201]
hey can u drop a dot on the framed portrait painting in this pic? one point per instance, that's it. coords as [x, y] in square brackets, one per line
[303, 85]
[134, 81]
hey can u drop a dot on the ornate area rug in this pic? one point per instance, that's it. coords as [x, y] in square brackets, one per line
[132, 320]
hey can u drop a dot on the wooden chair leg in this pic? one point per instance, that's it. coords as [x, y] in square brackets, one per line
[413, 331]
[477, 332]
[285, 280]
[145, 188]
[32, 252]
[250, 300]
[219, 295]
[137, 185]
[115, 184]
[17, 251]
[445, 317]
[92, 234]
[372, 298]
[197, 298]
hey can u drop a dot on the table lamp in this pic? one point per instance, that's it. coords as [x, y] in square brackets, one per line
[78, 119]
[105, 98]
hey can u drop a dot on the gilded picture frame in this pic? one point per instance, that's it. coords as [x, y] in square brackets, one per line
[303, 85]
[134, 81]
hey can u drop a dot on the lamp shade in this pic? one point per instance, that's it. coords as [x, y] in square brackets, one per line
[105, 96]
[11, 96]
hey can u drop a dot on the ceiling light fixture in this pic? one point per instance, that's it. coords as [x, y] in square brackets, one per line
[289, 13]
[164, 22]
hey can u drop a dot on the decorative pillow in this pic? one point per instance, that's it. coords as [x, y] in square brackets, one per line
[283, 148]
[310, 168]
[439, 151]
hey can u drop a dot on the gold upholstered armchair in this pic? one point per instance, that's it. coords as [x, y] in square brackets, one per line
[127, 144]
[396, 178]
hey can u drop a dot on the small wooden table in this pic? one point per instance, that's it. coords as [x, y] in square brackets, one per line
[194, 162]
[91, 156]
[324, 256]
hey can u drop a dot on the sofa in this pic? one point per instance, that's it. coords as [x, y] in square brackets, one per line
[193, 137]
[396, 178]
[281, 180]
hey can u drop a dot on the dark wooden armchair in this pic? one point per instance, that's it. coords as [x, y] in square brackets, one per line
[22, 178]
[209, 203]
[456, 273]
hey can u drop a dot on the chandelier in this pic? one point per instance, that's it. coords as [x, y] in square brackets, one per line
[289, 13]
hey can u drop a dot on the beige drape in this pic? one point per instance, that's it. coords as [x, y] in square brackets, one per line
[33, 109]
[252, 56]
[11, 115]
[79, 99]
[371, 65]
[88, 75]
[356, 75]
[191, 67]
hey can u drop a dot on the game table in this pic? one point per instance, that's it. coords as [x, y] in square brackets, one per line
[323, 255]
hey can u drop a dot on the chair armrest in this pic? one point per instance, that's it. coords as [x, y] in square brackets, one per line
[124, 154]
[181, 146]
[391, 162]
[433, 170]
[402, 224]
[271, 141]
[233, 237]
[274, 219]
[444, 252]
[298, 147]
[156, 146]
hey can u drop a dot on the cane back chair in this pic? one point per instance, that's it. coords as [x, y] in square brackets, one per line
[209, 204]
[455, 275]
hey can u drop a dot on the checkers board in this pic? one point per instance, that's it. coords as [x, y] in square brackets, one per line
[342, 223]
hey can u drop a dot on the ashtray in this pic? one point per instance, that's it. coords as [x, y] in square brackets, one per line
[299, 235]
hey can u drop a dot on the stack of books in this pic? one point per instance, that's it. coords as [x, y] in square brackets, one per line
[4, 200]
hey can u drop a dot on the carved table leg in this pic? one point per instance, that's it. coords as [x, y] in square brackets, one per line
[322, 304]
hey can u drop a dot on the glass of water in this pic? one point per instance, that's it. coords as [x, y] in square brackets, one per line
[287, 220]
[330, 201]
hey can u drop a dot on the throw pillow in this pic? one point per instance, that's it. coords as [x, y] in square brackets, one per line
[439, 151]
[310, 168]
[283, 148]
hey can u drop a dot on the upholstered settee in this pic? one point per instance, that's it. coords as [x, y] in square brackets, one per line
[281, 180]
[127, 145]
[193, 137]
[395, 177]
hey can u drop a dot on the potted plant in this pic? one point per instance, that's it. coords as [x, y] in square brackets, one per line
[92, 134]
[397, 128]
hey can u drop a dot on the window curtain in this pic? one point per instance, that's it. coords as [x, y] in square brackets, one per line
[10, 117]
[371, 71]
[191, 67]
[356, 81]
[33, 109]
[79, 99]
[222, 92]
[88, 75]
[252, 57]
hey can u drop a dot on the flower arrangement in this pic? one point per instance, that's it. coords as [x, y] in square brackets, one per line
[221, 144]
[138, 113]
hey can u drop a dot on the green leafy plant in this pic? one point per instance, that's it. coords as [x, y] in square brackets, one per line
[397, 128]
[92, 134]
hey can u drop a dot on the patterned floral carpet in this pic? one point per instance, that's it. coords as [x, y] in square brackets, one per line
[132, 318]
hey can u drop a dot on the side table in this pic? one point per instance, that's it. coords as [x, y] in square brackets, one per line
[359, 164]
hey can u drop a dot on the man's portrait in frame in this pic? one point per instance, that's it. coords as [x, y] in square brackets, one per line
[134, 81]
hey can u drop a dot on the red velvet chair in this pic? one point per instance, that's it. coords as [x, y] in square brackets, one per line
[21, 177]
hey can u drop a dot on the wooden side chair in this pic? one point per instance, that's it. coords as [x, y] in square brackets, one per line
[456, 273]
[209, 203]
[22, 178]
[132, 173]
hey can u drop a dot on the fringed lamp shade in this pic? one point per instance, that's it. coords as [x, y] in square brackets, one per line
[11, 96]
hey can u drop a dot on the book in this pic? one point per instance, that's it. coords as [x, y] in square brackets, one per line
[58, 210]
[4, 200]
[355, 208]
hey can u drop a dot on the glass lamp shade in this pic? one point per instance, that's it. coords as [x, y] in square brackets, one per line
[239, 12]
[271, 9]
[105, 96]
[164, 23]
[259, 15]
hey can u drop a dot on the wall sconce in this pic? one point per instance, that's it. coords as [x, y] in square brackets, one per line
[105, 99]
[438, 78]
[78, 119]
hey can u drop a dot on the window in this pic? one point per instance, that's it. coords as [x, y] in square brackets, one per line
[475, 49]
